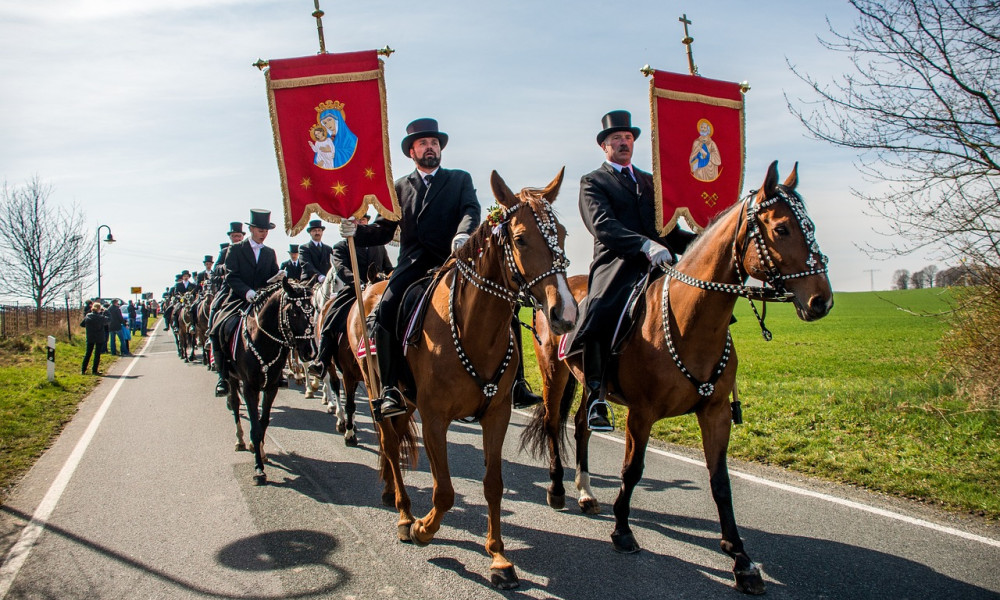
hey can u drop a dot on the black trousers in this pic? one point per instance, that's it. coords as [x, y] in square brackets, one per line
[94, 348]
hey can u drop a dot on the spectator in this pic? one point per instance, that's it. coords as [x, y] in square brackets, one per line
[143, 317]
[94, 322]
[133, 325]
[116, 322]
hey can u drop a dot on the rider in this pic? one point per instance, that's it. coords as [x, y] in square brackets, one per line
[184, 285]
[617, 203]
[293, 266]
[206, 275]
[439, 211]
[249, 266]
[316, 256]
[372, 261]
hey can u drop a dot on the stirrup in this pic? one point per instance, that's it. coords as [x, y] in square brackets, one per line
[221, 388]
[390, 406]
[597, 421]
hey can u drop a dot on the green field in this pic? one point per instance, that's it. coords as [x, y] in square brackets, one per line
[860, 397]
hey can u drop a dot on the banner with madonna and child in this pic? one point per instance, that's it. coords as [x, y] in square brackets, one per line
[328, 114]
[698, 147]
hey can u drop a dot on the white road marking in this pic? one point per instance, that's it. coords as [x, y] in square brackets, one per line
[33, 530]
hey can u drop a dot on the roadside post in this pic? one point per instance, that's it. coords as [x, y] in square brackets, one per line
[51, 368]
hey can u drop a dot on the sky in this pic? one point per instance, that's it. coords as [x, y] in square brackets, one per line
[150, 117]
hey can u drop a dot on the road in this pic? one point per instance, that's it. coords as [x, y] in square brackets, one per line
[143, 496]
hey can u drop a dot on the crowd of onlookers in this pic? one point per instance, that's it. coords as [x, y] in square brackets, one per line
[110, 322]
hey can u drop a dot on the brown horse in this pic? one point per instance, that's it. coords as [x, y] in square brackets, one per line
[186, 322]
[203, 307]
[459, 368]
[671, 364]
[339, 399]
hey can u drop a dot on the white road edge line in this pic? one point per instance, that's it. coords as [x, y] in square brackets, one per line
[33, 530]
[821, 496]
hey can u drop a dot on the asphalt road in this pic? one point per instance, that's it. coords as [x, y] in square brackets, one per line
[143, 496]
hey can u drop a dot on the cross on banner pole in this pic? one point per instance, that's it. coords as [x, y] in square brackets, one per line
[687, 41]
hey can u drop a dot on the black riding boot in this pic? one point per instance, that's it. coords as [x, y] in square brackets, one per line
[391, 402]
[327, 346]
[221, 365]
[522, 394]
[593, 372]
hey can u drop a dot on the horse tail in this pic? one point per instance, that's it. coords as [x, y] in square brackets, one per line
[408, 453]
[535, 438]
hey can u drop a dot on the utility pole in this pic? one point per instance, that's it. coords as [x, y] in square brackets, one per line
[871, 274]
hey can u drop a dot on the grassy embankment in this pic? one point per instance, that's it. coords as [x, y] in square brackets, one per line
[860, 397]
[32, 410]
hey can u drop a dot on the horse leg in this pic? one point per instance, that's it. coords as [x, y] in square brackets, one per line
[350, 406]
[336, 406]
[251, 397]
[233, 404]
[715, 421]
[502, 574]
[265, 419]
[636, 439]
[436, 445]
[554, 392]
[391, 472]
[588, 501]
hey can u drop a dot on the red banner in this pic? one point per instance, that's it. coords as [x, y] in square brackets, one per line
[698, 147]
[328, 113]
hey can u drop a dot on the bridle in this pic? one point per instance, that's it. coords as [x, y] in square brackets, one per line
[520, 295]
[286, 335]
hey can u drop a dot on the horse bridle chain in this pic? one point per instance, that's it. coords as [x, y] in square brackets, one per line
[550, 233]
[288, 336]
[774, 276]
[705, 388]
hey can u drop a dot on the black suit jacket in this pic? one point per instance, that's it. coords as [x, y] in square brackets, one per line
[371, 260]
[315, 261]
[427, 226]
[621, 216]
[243, 273]
[294, 271]
[180, 289]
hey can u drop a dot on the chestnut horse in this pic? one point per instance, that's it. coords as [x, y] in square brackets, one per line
[671, 363]
[464, 361]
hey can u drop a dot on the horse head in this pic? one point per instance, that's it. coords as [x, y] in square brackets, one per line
[537, 255]
[298, 317]
[786, 255]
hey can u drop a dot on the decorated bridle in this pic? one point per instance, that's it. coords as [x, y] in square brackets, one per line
[499, 218]
[302, 304]
[816, 263]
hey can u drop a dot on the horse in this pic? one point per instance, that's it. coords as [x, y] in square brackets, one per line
[670, 364]
[185, 326]
[204, 306]
[278, 319]
[322, 294]
[458, 368]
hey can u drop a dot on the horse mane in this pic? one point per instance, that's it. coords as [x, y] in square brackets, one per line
[710, 229]
[529, 197]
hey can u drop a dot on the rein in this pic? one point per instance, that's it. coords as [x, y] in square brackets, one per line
[288, 337]
[521, 295]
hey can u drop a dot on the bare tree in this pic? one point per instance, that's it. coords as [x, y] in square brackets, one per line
[901, 279]
[917, 279]
[921, 107]
[43, 245]
[930, 273]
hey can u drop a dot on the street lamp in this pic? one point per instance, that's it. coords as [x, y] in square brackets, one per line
[111, 240]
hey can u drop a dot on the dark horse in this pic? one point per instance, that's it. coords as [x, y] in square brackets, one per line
[185, 325]
[465, 358]
[671, 365]
[278, 319]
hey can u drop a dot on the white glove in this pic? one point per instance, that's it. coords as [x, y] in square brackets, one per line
[348, 227]
[322, 278]
[250, 295]
[278, 276]
[657, 254]
[458, 240]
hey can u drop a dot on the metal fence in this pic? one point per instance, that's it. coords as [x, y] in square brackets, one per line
[20, 320]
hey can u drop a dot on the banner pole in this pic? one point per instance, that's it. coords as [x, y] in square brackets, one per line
[687, 41]
[319, 26]
[371, 368]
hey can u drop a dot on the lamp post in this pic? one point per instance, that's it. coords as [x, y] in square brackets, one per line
[111, 240]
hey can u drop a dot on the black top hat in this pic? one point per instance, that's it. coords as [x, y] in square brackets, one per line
[293, 248]
[422, 128]
[223, 245]
[208, 258]
[315, 224]
[235, 227]
[185, 272]
[260, 219]
[177, 277]
[616, 120]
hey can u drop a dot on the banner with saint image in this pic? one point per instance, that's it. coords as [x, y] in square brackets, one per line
[698, 147]
[328, 115]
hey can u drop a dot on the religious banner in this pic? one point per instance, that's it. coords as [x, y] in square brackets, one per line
[698, 147]
[328, 114]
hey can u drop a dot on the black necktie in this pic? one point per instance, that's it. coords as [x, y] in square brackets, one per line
[627, 174]
[425, 180]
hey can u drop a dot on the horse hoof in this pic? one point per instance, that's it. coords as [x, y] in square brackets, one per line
[403, 533]
[259, 478]
[750, 581]
[329, 409]
[351, 442]
[309, 393]
[504, 579]
[240, 446]
[624, 543]
[558, 502]
[389, 500]
[415, 539]
[590, 506]
[341, 427]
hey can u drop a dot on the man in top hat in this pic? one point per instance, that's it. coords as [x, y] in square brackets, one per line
[235, 234]
[617, 203]
[249, 266]
[206, 275]
[373, 265]
[439, 211]
[316, 256]
[184, 285]
[293, 267]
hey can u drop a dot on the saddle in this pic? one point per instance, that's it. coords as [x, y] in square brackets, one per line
[413, 309]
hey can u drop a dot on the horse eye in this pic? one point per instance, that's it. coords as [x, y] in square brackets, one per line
[520, 241]
[781, 230]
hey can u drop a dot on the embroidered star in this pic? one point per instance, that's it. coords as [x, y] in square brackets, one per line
[369, 173]
[306, 183]
[338, 189]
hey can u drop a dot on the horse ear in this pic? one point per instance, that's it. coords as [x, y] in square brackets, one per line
[287, 286]
[770, 187]
[501, 192]
[793, 178]
[552, 190]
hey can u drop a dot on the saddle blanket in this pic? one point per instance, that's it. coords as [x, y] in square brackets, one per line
[363, 352]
